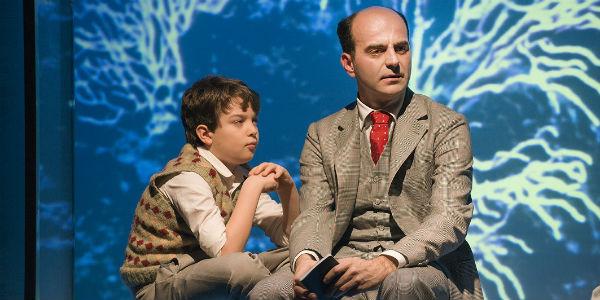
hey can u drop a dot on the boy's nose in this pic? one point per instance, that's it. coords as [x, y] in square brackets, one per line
[253, 131]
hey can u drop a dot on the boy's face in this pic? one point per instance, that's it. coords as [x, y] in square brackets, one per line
[235, 139]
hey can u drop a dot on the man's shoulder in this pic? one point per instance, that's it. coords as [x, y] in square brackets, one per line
[436, 111]
[335, 117]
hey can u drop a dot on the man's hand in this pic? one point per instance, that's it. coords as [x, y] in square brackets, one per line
[358, 274]
[303, 264]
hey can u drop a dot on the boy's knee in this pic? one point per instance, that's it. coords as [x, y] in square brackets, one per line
[246, 270]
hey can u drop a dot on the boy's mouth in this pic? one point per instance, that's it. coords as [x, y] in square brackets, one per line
[251, 146]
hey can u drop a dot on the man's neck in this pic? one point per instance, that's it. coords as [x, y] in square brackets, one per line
[381, 103]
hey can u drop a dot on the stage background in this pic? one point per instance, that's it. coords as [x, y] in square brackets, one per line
[12, 184]
[524, 73]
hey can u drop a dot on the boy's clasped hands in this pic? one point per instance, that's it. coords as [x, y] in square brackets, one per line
[271, 176]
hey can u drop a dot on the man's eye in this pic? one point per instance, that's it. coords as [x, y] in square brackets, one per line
[402, 49]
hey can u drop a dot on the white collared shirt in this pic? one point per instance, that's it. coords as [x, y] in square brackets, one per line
[366, 124]
[193, 200]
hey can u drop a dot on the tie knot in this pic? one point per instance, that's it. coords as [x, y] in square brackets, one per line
[380, 117]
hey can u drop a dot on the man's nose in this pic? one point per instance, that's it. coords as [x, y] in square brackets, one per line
[391, 60]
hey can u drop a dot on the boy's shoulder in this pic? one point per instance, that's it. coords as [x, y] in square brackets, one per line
[188, 157]
[188, 160]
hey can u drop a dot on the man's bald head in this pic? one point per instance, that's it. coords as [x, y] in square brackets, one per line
[344, 28]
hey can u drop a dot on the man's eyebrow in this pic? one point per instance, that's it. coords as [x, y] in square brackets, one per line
[384, 46]
[375, 47]
[402, 43]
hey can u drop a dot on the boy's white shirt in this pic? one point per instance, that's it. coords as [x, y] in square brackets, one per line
[193, 200]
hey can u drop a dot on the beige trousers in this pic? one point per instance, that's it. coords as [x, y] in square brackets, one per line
[425, 283]
[230, 276]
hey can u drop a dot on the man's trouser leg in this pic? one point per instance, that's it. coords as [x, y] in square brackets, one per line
[277, 286]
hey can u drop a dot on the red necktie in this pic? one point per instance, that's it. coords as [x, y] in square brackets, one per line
[379, 133]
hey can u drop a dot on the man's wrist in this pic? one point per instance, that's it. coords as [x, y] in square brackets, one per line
[398, 258]
[388, 262]
[304, 257]
[312, 254]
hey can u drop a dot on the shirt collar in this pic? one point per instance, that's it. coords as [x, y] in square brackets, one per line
[215, 162]
[364, 111]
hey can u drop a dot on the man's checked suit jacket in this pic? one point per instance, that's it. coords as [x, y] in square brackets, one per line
[428, 189]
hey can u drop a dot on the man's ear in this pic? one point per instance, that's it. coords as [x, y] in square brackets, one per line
[204, 134]
[347, 64]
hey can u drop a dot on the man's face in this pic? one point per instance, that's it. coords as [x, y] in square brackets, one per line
[381, 60]
[235, 139]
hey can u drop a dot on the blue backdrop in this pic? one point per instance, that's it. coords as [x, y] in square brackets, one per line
[525, 74]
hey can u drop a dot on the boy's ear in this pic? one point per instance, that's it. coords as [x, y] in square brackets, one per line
[204, 134]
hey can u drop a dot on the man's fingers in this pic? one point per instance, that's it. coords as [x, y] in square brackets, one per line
[301, 292]
[334, 272]
[341, 281]
[343, 278]
[353, 283]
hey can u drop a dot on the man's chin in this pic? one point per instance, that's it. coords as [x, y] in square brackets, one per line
[396, 88]
[391, 93]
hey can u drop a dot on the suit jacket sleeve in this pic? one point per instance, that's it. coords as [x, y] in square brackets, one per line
[445, 227]
[313, 228]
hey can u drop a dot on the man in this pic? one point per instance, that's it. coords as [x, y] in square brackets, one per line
[386, 182]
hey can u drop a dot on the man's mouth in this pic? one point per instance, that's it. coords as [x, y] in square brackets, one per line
[393, 76]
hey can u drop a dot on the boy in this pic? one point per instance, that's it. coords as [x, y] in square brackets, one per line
[194, 218]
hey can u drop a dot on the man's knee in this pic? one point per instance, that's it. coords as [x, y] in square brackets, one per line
[412, 283]
[404, 278]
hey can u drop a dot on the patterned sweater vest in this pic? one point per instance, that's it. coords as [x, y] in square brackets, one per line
[159, 233]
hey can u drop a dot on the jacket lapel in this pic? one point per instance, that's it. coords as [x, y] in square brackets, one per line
[410, 127]
[346, 166]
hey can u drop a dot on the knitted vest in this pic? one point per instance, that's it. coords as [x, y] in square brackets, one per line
[158, 233]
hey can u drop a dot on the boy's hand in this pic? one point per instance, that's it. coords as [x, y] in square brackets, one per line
[286, 190]
[280, 174]
[267, 183]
